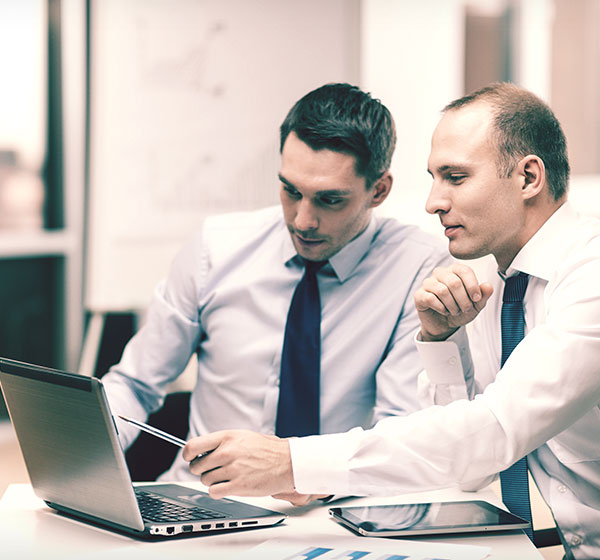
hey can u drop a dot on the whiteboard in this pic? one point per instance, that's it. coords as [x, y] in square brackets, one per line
[186, 100]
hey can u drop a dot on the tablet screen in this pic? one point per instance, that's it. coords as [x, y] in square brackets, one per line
[427, 518]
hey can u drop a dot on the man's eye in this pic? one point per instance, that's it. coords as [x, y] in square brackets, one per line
[330, 201]
[292, 192]
[456, 178]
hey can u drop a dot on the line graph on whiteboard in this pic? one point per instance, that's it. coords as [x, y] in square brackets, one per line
[185, 109]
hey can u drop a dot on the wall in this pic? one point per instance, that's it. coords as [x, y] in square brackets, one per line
[412, 59]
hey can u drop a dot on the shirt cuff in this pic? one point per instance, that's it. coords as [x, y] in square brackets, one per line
[443, 360]
[319, 464]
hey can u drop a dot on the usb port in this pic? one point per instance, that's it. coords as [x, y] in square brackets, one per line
[219, 525]
[233, 524]
[187, 528]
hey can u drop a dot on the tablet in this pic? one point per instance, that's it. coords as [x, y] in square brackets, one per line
[406, 520]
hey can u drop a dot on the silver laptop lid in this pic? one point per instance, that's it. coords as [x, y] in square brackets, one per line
[68, 438]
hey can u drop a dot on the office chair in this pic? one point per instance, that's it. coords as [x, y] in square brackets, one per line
[148, 456]
[546, 537]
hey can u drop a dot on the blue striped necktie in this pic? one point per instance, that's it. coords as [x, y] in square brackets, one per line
[513, 481]
[298, 409]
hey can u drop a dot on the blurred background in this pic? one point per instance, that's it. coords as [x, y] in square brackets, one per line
[124, 122]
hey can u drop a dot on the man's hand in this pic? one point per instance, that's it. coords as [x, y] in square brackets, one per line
[299, 499]
[241, 463]
[450, 298]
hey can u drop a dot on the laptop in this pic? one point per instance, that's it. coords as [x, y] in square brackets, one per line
[71, 449]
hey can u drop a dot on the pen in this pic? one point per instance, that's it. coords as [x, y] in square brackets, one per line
[154, 431]
[160, 434]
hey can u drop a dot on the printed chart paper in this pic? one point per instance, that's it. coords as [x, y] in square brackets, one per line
[371, 549]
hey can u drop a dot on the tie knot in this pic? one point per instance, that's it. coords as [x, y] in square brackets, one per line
[312, 267]
[514, 288]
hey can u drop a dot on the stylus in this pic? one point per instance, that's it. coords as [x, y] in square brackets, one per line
[154, 431]
[160, 434]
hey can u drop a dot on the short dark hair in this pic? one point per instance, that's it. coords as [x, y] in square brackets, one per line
[342, 118]
[523, 125]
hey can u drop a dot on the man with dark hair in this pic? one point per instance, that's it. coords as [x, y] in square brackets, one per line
[342, 118]
[231, 294]
[522, 389]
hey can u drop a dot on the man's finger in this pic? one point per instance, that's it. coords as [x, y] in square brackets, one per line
[214, 477]
[426, 301]
[294, 498]
[461, 280]
[223, 489]
[202, 445]
[446, 303]
[486, 293]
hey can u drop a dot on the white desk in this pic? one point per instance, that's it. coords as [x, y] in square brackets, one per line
[30, 530]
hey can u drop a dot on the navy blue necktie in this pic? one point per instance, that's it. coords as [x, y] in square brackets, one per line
[513, 481]
[298, 410]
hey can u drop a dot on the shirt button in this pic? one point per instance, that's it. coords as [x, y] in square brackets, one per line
[452, 361]
[575, 540]
[562, 488]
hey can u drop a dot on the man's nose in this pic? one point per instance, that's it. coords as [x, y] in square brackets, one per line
[437, 201]
[306, 216]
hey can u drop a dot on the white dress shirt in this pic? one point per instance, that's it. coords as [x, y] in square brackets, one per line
[544, 402]
[226, 298]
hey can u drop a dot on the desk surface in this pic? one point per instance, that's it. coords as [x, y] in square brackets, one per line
[29, 529]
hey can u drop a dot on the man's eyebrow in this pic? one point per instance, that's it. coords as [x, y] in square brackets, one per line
[328, 192]
[449, 167]
[285, 181]
[334, 192]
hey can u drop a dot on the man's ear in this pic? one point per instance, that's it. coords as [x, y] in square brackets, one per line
[532, 171]
[381, 189]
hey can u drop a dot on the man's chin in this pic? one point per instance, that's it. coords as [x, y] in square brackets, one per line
[318, 252]
[465, 253]
[315, 255]
[312, 256]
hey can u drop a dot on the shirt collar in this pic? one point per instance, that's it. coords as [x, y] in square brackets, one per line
[548, 246]
[346, 259]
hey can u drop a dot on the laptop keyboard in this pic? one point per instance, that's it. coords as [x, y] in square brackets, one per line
[160, 510]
